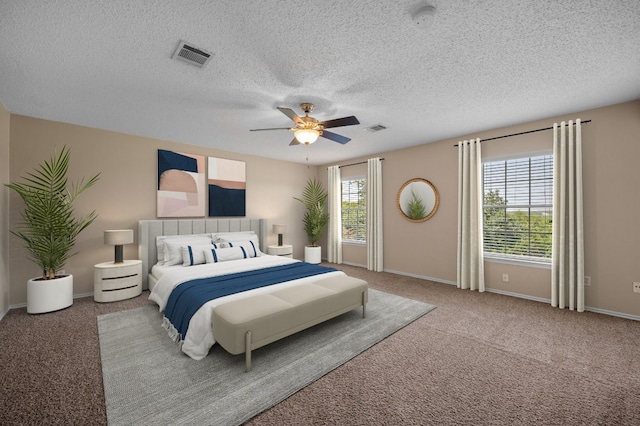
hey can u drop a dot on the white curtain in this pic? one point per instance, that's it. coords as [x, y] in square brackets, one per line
[567, 271]
[374, 215]
[470, 246]
[334, 239]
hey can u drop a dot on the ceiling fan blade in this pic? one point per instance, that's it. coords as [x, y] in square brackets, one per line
[292, 115]
[335, 137]
[339, 122]
[271, 128]
[294, 142]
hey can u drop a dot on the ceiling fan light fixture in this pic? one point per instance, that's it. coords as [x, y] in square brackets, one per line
[307, 129]
[306, 136]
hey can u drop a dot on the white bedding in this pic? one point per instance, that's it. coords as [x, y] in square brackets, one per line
[199, 338]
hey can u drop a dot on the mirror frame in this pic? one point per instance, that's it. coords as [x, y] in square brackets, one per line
[435, 204]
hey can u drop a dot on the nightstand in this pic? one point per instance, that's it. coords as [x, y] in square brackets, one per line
[285, 250]
[117, 281]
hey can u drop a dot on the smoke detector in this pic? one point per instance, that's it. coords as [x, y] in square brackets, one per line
[423, 17]
[190, 54]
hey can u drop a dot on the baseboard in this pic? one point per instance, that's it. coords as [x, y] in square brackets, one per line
[81, 295]
[422, 277]
[519, 295]
[24, 305]
[612, 313]
[2, 314]
[355, 264]
[548, 301]
[18, 305]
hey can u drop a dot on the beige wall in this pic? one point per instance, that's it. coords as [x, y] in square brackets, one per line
[4, 210]
[126, 191]
[611, 201]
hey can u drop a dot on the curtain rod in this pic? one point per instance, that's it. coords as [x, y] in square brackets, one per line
[524, 133]
[355, 164]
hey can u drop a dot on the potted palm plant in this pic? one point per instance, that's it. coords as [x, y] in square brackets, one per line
[49, 229]
[315, 219]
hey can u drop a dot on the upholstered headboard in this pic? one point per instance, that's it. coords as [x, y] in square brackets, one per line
[148, 230]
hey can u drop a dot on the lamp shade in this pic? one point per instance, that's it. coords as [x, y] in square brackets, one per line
[306, 136]
[279, 229]
[116, 237]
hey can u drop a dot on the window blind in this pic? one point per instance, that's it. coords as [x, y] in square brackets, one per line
[518, 206]
[354, 210]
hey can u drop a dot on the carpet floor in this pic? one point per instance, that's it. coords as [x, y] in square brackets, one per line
[148, 381]
[478, 359]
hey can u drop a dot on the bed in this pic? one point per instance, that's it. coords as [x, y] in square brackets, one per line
[238, 252]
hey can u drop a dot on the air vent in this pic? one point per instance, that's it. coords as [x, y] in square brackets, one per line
[375, 128]
[191, 55]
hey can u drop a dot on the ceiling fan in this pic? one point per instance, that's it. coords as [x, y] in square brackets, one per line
[308, 129]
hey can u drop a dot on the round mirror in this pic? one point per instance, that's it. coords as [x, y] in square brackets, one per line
[418, 200]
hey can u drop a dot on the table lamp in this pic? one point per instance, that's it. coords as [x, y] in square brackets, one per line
[118, 237]
[279, 229]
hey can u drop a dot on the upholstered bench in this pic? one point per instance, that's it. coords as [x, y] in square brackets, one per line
[250, 323]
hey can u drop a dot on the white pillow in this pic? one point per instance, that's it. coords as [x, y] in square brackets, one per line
[194, 254]
[234, 236]
[225, 254]
[173, 249]
[225, 238]
[250, 247]
[187, 239]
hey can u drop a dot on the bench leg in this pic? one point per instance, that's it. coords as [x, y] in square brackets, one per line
[364, 304]
[247, 351]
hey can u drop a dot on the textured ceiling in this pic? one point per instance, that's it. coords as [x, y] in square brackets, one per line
[482, 65]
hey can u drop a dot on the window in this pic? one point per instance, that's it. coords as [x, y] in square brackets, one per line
[354, 210]
[518, 208]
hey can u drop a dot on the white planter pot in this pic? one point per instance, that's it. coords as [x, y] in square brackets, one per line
[49, 295]
[312, 254]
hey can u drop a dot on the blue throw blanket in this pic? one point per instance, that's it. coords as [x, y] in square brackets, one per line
[188, 297]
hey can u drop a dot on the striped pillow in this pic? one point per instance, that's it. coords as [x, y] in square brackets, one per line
[250, 247]
[216, 255]
[194, 254]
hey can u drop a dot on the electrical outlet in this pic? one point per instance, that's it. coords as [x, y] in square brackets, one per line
[587, 280]
[505, 278]
[636, 287]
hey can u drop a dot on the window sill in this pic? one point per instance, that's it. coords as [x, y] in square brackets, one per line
[518, 261]
[354, 243]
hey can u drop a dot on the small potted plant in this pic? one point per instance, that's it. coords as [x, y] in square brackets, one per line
[315, 219]
[49, 230]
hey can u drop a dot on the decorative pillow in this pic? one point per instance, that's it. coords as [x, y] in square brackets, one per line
[194, 254]
[225, 254]
[184, 239]
[250, 247]
[173, 249]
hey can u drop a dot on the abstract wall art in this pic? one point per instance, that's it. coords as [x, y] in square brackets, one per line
[181, 184]
[227, 187]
